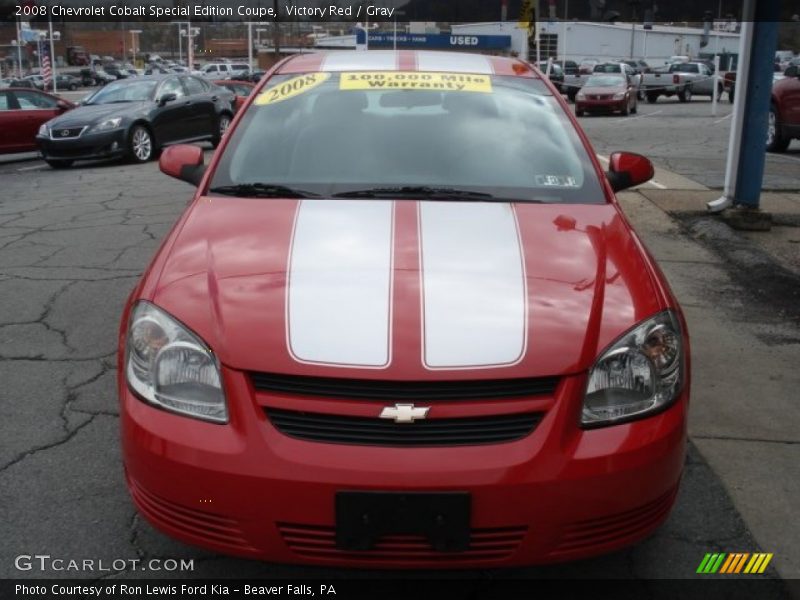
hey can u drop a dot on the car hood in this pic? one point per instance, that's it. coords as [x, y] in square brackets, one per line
[609, 91]
[404, 289]
[93, 114]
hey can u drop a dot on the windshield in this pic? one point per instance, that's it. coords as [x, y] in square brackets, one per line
[684, 68]
[605, 81]
[124, 91]
[608, 68]
[335, 133]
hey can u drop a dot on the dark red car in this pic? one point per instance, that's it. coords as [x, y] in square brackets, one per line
[242, 90]
[784, 111]
[22, 112]
[606, 92]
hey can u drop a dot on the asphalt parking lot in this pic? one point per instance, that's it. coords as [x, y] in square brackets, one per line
[73, 242]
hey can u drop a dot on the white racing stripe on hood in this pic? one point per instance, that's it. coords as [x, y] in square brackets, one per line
[374, 60]
[453, 62]
[339, 283]
[474, 293]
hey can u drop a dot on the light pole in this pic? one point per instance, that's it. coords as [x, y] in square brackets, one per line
[259, 31]
[180, 25]
[249, 47]
[52, 52]
[190, 34]
[19, 46]
[134, 40]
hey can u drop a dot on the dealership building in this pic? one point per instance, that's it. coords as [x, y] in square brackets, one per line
[575, 40]
[562, 40]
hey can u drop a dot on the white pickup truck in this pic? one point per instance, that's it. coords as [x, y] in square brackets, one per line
[685, 79]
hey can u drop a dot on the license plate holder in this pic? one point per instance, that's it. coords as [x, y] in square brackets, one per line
[362, 518]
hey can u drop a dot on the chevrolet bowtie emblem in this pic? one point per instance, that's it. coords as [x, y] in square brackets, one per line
[404, 413]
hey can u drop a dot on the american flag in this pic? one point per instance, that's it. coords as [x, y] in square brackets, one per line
[47, 72]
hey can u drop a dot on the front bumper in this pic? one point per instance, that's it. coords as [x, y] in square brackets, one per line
[244, 488]
[600, 105]
[105, 144]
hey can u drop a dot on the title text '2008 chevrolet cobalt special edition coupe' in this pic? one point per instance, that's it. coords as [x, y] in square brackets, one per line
[404, 323]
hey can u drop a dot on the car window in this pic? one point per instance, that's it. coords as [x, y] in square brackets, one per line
[605, 81]
[238, 89]
[129, 90]
[4, 101]
[34, 101]
[172, 86]
[338, 132]
[194, 86]
[684, 68]
[211, 69]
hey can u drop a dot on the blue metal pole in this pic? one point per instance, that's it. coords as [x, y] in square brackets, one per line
[756, 97]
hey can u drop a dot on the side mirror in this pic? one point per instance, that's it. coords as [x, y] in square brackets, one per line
[183, 162]
[171, 97]
[627, 169]
[63, 105]
[792, 71]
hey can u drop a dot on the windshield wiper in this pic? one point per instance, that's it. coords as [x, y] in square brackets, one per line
[420, 191]
[262, 190]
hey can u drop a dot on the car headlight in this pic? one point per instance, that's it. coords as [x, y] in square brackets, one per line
[619, 96]
[639, 374]
[580, 96]
[43, 130]
[169, 366]
[107, 124]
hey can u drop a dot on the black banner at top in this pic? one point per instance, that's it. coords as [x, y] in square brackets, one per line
[320, 11]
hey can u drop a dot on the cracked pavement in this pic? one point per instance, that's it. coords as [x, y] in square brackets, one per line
[72, 245]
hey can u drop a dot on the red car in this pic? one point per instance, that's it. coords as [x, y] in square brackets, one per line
[404, 323]
[606, 92]
[22, 112]
[784, 111]
[242, 89]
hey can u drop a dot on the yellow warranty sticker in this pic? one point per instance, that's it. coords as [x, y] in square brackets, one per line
[291, 88]
[415, 80]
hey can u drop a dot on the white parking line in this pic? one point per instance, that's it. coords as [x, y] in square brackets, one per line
[36, 168]
[728, 116]
[652, 182]
[778, 157]
[642, 116]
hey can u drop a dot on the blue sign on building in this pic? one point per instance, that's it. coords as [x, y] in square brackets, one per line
[436, 41]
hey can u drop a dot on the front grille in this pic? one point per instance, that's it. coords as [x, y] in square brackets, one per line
[385, 391]
[315, 541]
[65, 133]
[466, 431]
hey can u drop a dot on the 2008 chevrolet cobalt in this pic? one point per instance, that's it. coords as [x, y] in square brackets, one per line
[404, 323]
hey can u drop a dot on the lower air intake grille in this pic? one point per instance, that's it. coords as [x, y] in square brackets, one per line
[320, 542]
[337, 429]
[422, 391]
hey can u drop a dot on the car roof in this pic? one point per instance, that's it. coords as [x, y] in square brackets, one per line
[407, 60]
[155, 77]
